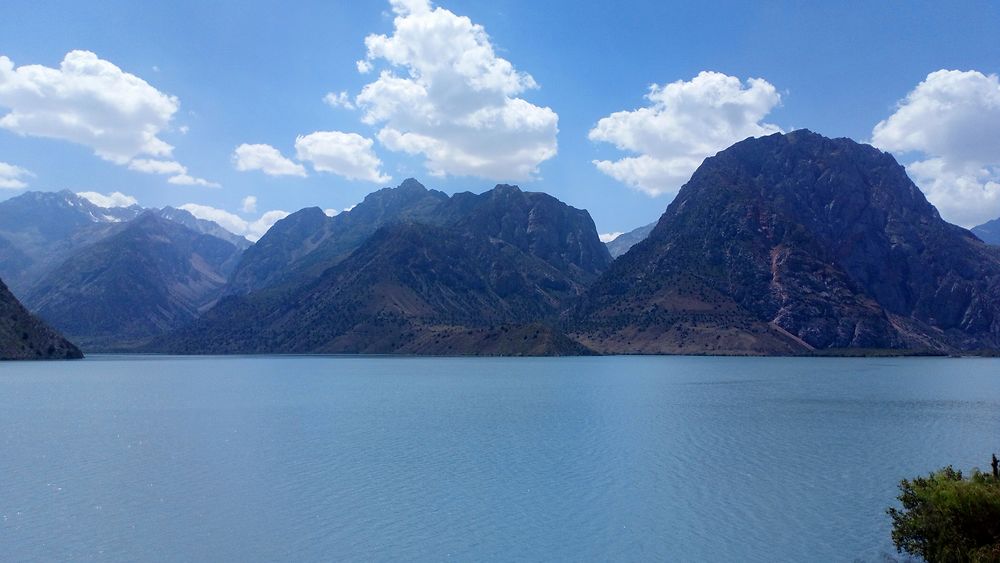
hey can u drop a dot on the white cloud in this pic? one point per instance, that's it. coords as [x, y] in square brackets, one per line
[684, 122]
[233, 223]
[88, 101]
[951, 123]
[149, 166]
[267, 159]
[335, 212]
[608, 237]
[456, 101]
[188, 180]
[108, 201]
[347, 154]
[249, 204]
[339, 100]
[12, 177]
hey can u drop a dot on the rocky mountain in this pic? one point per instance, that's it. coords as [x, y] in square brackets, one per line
[789, 243]
[624, 242]
[25, 337]
[306, 243]
[147, 277]
[486, 274]
[988, 232]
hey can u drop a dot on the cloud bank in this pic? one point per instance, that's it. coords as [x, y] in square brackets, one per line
[12, 177]
[448, 97]
[233, 223]
[951, 122]
[684, 122]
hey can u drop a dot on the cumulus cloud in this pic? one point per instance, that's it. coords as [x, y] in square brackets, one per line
[12, 177]
[950, 122]
[249, 204]
[446, 95]
[88, 101]
[233, 223]
[608, 237]
[91, 102]
[684, 122]
[108, 201]
[346, 154]
[339, 100]
[267, 159]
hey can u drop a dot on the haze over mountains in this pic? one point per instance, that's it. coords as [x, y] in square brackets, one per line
[785, 244]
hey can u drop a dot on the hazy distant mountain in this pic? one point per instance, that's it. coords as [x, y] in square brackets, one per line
[149, 276]
[39, 230]
[989, 232]
[790, 242]
[622, 243]
[202, 226]
[24, 337]
[482, 280]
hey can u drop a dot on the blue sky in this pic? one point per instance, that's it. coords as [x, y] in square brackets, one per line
[254, 72]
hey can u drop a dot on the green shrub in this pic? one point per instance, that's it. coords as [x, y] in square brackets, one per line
[947, 517]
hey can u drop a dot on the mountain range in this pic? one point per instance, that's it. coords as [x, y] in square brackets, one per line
[480, 274]
[785, 244]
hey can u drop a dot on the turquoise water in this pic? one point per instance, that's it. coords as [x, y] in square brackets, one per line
[354, 458]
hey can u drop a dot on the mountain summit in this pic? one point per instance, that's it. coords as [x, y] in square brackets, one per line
[795, 242]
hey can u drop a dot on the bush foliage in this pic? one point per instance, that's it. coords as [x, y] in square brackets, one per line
[949, 517]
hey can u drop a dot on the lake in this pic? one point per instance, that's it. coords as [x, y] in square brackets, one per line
[124, 458]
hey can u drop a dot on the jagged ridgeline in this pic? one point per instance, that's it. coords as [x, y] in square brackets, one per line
[790, 243]
[410, 270]
[787, 244]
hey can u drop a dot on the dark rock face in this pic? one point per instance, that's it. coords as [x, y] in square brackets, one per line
[988, 232]
[409, 288]
[624, 242]
[826, 241]
[304, 244]
[24, 337]
[472, 273]
[148, 277]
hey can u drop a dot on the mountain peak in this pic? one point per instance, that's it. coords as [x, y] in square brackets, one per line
[411, 184]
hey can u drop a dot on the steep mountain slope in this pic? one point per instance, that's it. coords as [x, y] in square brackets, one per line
[479, 274]
[626, 241]
[409, 288]
[304, 244]
[25, 337]
[150, 276]
[797, 241]
[988, 232]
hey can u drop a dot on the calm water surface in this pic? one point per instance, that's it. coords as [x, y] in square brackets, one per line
[681, 459]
